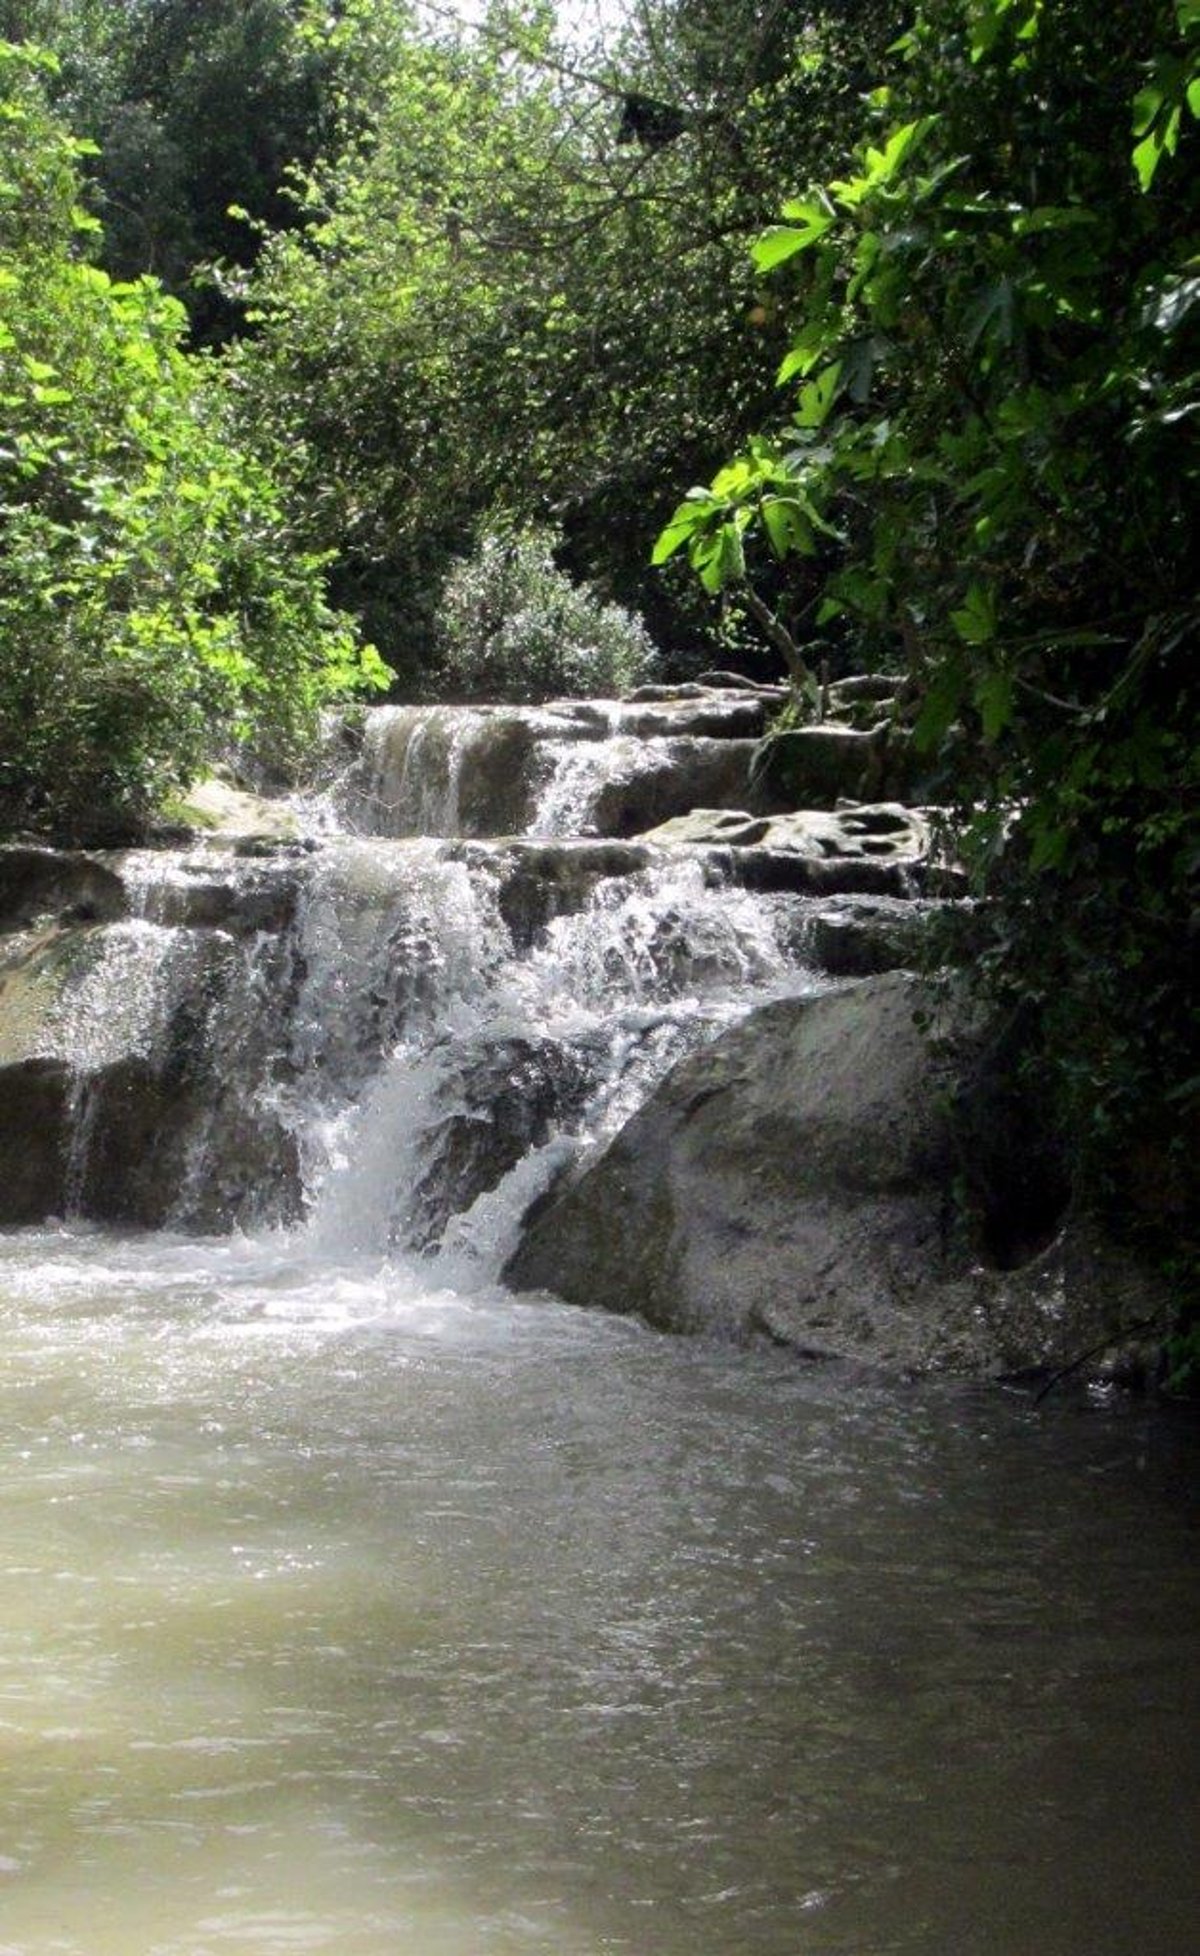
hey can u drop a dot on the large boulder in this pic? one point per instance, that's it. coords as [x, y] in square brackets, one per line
[798, 1178]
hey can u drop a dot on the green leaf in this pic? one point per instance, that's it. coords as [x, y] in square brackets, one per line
[817, 398]
[810, 345]
[782, 241]
[994, 695]
[1146, 158]
[803, 210]
[1050, 846]
[940, 706]
[992, 314]
[787, 526]
[719, 559]
[975, 620]
[688, 518]
[1052, 217]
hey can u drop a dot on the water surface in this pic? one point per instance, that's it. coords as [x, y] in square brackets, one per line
[342, 1615]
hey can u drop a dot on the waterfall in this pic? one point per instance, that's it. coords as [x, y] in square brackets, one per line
[491, 1055]
[390, 1035]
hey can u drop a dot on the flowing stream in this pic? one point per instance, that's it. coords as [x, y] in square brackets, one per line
[352, 1606]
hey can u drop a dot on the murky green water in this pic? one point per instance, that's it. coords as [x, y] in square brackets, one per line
[338, 1617]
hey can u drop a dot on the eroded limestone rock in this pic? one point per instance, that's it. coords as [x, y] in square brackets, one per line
[882, 832]
[217, 808]
[797, 1178]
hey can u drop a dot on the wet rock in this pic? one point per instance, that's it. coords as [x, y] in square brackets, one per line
[470, 771]
[864, 700]
[865, 686]
[609, 767]
[543, 880]
[135, 1050]
[688, 689]
[498, 1098]
[796, 1179]
[164, 1142]
[661, 713]
[35, 1123]
[206, 891]
[859, 937]
[137, 1122]
[714, 716]
[65, 884]
[496, 792]
[776, 871]
[728, 827]
[737, 682]
[252, 1171]
[672, 777]
[815, 767]
[36, 968]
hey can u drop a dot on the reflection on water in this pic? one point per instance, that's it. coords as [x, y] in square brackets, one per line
[339, 1616]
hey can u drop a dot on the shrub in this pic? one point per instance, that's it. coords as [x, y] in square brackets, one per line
[512, 626]
[153, 606]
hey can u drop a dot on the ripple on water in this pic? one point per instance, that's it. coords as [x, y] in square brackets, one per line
[339, 1613]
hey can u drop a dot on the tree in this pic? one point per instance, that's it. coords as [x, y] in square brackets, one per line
[495, 303]
[988, 475]
[199, 109]
[152, 604]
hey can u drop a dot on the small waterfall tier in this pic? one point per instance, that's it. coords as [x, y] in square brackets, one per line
[480, 951]
[577, 767]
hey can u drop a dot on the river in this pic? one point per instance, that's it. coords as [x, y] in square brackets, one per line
[342, 1615]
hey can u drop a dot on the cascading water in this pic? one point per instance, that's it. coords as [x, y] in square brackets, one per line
[350, 1606]
[487, 1050]
[372, 1036]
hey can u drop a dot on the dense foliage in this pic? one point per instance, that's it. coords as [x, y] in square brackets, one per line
[988, 478]
[153, 605]
[497, 305]
[198, 109]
